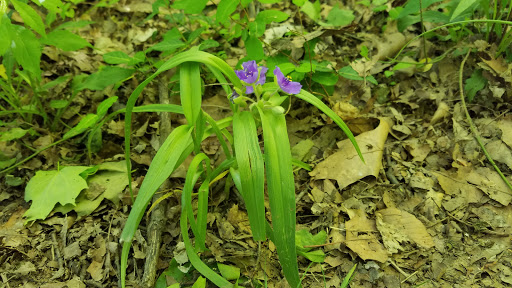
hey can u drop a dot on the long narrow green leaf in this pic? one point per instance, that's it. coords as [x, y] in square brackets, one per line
[196, 261]
[165, 162]
[190, 56]
[190, 90]
[190, 180]
[251, 168]
[281, 190]
[170, 155]
[200, 225]
[218, 133]
[308, 97]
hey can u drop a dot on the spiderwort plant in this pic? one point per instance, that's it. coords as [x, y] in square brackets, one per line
[245, 164]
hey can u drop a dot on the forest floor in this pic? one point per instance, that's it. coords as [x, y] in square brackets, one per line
[427, 209]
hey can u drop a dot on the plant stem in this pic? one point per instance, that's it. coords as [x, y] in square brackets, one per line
[472, 126]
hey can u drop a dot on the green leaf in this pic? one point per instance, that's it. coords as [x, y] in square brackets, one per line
[87, 122]
[338, 17]
[317, 256]
[139, 57]
[53, 83]
[65, 40]
[198, 227]
[305, 238]
[244, 3]
[251, 169]
[105, 77]
[225, 9]
[208, 43]
[27, 50]
[190, 91]
[5, 34]
[200, 283]
[190, 7]
[325, 78]
[167, 159]
[168, 45]
[281, 190]
[102, 109]
[229, 272]
[269, 16]
[306, 67]
[349, 73]
[461, 7]
[29, 16]
[312, 10]
[173, 271]
[286, 68]
[474, 84]
[413, 6]
[348, 277]
[47, 188]
[257, 28]
[12, 134]
[116, 57]
[254, 48]
[108, 183]
[299, 3]
[52, 5]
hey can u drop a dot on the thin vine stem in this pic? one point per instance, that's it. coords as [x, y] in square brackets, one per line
[472, 126]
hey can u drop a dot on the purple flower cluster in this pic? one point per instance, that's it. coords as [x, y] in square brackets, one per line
[252, 74]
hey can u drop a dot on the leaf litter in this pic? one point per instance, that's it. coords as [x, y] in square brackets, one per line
[425, 209]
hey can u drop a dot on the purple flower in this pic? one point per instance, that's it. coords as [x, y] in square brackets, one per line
[286, 83]
[250, 75]
[261, 80]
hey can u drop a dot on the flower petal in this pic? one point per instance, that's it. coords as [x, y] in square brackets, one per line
[249, 90]
[250, 65]
[279, 76]
[240, 74]
[292, 87]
